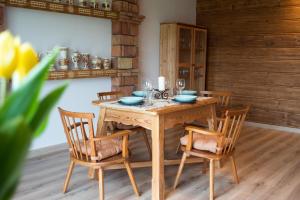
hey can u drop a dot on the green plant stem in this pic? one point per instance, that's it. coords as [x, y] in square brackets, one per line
[3, 90]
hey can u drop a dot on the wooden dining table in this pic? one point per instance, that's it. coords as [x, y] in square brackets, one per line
[157, 117]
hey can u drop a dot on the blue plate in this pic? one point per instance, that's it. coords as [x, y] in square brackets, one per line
[185, 98]
[131, 101]
[189, 92]
[139, 93]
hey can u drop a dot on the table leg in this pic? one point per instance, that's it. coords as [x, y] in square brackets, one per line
[158, 176]
[101, 123]
[212, 120]
[100, 131]
[213, 125]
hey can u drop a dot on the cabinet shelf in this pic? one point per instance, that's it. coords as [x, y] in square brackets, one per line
[77, 74]
[61, 8]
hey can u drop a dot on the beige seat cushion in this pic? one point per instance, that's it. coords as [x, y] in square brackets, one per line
[104, 148]
[205, 142]
[201, 142]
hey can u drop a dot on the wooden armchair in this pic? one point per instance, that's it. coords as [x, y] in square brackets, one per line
[223, 100]
[115, 95]
[213, 145]
[109, 96]
[94, 152]
[223, 97]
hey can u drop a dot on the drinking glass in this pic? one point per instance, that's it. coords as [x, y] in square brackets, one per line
[148, 88]
[180, 85]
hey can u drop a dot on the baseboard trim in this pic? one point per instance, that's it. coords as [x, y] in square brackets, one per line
[47, 150]
[273, 127]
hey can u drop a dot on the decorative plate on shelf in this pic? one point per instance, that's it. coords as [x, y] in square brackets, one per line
[131, 101]
[139, 93]
[185, 98]
[189, 92]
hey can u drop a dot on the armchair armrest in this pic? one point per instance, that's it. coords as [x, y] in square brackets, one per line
[202, 131]
[195, 129]
[113, 136]
[124, 134]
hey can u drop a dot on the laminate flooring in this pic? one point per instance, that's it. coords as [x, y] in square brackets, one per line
[268, 163]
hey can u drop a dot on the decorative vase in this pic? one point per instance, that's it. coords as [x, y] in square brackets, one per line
[85, 58]
[106, 5]
[76, 59]
[63, 62]
[106, 63]
[96, 62]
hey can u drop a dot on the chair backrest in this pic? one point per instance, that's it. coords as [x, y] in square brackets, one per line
[79, 129]
[108, 96]
[231, 129]
[222, 96]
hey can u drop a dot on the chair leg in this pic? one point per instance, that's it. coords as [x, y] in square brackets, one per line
[179, 144]
[204, 166]
[69, 174]
[234, 170]
[211, 179]
[91, 173]
[219, 164]
[131, 177]
[178, 148]
[180, 170]
[147, 144]
[101, 184]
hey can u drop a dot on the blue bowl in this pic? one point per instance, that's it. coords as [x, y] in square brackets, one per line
[189, 92]
[185, 98]
[131, 100]
[139, 93]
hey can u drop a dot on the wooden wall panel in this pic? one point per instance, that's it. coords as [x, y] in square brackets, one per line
[254, 51]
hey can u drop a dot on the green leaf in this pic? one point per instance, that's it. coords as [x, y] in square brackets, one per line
[15, 139]
[41, 127]
[24, 100]
[44, 109]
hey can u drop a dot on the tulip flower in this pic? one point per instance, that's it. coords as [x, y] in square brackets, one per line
[8, 54]
[28, 58]
[24, 111]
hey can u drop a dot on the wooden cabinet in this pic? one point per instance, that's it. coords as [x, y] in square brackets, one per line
[183, 54]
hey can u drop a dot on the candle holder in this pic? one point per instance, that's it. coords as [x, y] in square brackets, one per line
[161, 94]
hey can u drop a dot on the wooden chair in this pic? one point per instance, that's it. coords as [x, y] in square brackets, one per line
[94, 152]
[109, 96]
[213, 145]
[115, 95]
[222, 96]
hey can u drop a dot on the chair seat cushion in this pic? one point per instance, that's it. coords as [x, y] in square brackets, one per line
[201, 142]
[104, 148]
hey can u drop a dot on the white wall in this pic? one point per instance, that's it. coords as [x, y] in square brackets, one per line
[46, 30]
[156, 12]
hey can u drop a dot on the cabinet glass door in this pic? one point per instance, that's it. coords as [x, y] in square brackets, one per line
[185, 73]
[185, 46]
[199, 59]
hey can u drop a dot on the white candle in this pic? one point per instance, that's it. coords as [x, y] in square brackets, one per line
[161, 83]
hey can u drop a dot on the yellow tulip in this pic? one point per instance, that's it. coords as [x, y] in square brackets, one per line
[28, 58]
[8, 54]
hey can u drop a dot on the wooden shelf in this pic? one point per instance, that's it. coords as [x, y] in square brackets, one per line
[77, 74]
[61, 8]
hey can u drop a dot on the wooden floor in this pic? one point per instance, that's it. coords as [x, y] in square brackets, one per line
[268, 165]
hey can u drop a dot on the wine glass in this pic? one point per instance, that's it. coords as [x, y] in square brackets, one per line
[180, 84]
